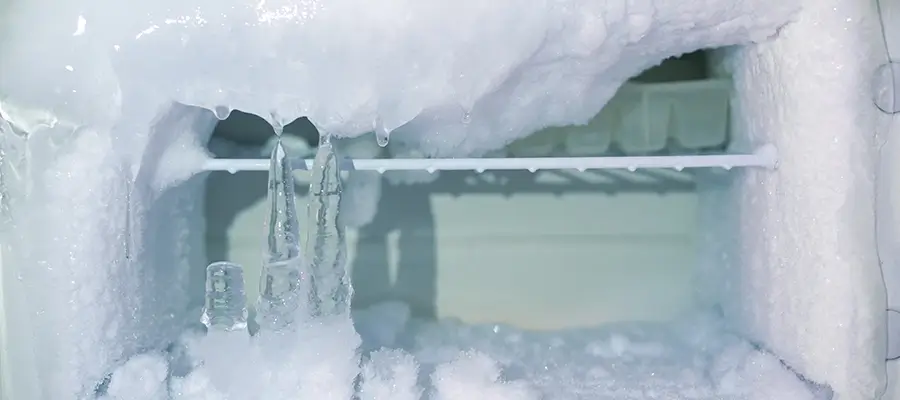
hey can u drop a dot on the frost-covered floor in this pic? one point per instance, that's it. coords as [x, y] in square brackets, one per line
[406, 359]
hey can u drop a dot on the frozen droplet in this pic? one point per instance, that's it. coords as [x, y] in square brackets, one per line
[382, 138]
[727, 167]
[679, 168]
[222, 112]
[225, 306]
[580, 169]
[382, 133]
[632, 168]
[232, 171]
[479, 170]
[467, 117]
[431, 170]
[532, 170]
[380, 170]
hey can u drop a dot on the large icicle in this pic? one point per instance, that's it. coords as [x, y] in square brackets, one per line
[325, 243]
[282, 225]
[281, 291]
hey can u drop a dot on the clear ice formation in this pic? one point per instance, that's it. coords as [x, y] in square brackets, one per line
[325, 243]
[281, 293]
[283, 227]
[382, 133]
[225, 308]
[281, 281]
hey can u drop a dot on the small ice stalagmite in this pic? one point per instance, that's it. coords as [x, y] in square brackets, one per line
[225, 308]
[282, 290]
[325, 242]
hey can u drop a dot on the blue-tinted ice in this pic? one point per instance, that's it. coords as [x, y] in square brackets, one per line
[325, 243]
[281, 291]
[225, 308]
[282, 294]
[283, 227]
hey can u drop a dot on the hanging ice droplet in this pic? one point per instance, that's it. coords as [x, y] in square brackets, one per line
[222, 112]
[325, 243]
[382, 138]
[467, 117]
[382, 133]
[225, 308]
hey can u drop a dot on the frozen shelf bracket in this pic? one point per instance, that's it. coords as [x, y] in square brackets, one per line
[763, 157]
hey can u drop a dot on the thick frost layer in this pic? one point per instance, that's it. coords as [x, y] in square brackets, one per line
[318, 361]
[102, 256]
[692, 359]
[91, 84]
[453, 77]
[802, 276]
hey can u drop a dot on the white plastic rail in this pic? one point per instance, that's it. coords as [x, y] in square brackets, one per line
[764, 157]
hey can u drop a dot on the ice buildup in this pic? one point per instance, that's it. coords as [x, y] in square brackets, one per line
[282, 293]
[326, 246]
[452, 82]
[283, 227]
[226, 302]
[108, 77]
[382, 133]
[281, 286]
[390, 374]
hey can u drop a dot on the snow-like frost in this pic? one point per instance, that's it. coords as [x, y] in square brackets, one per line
[451, 77]
[94, 85]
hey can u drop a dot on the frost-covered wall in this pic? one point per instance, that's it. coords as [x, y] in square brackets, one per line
[99, 253]
[92, 82]
[887, 85]
[802, 275]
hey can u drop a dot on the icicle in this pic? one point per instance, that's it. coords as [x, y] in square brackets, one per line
[225, 308]
[325, 243]
[222, 112]
[382, 133]
[283, 227]
[281, 286]
[282, 293]
[277, 124]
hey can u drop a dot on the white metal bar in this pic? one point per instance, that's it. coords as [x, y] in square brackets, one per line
[765, 157]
